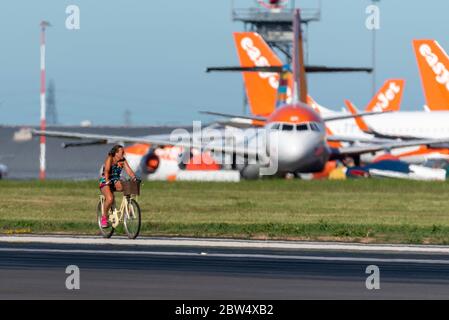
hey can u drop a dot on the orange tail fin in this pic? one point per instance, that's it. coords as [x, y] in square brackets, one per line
[388, 98]
[261, 87]
[433, 64]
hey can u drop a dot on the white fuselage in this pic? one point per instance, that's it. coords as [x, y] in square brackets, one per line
[282, 147]
[413, 124]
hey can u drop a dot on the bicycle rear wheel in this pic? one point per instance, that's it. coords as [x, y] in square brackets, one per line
[105, 232]
[132, 220]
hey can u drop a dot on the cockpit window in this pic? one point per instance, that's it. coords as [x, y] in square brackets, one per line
[302, 127]
[298, 127]
[314, 127]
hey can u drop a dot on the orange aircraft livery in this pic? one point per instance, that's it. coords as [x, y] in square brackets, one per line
[388, 98]
[261, 87]
[433, 63]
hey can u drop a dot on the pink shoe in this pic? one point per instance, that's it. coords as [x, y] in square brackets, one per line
[104, 222]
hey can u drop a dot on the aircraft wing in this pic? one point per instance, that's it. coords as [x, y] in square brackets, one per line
[261, 120]
[238, 123]
[358, 150]
[336, 138]
[390, 136]
[227, 115]
[110, 139]
[352, 116]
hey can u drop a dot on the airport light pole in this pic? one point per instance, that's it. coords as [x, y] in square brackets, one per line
[374, 57]
[42, 159]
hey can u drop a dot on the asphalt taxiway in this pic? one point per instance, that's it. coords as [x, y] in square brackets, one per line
[167, 268]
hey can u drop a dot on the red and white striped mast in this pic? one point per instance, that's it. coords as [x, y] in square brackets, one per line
[42, 160]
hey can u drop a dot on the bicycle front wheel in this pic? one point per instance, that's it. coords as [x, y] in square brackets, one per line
[132, 220]
[105, 232]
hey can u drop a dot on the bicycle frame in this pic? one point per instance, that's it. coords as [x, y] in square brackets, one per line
[117, 214]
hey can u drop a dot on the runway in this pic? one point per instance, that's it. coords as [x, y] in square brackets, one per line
[111, 271]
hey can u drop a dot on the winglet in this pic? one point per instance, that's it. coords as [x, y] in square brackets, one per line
[358, 120]
[332, 144]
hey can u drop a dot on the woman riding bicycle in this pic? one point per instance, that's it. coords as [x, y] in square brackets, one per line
[110, 178]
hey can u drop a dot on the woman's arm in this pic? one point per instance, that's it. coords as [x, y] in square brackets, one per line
[107, 168]
[129, 171]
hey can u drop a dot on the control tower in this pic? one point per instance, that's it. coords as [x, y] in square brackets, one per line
[273, 20]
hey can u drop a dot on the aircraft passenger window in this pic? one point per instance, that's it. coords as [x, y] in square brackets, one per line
[302, 127]
[275, 126]
[287, 127]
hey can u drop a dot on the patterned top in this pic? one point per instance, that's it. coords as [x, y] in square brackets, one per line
[114, 173]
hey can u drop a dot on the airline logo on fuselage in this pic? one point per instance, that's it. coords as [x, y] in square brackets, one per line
[385, 98]
[260, 61]
[169, 153]
[441, 73]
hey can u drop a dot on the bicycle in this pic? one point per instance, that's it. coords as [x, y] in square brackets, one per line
[129, 212]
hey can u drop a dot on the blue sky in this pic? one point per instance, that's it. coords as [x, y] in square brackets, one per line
[149, 57]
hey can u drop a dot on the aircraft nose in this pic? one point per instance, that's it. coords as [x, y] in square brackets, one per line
[291, 149]
[297, 148]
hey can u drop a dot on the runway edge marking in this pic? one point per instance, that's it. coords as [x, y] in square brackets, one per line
[225, 243]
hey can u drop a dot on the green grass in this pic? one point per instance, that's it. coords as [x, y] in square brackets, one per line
[378, 211]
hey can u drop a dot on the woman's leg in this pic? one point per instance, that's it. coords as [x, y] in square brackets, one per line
[108, 199]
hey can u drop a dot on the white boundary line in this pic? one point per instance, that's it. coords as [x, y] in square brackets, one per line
[225, 243]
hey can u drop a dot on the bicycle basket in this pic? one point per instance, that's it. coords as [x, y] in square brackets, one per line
[131, 188]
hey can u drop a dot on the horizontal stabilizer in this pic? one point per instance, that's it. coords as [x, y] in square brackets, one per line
[279, 69]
